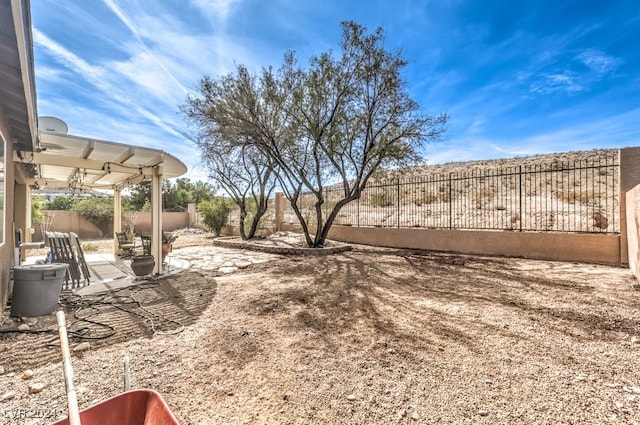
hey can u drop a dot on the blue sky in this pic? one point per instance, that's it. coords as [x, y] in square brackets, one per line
[516, 78]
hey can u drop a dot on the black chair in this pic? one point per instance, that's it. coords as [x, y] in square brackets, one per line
[146, 244]
[124, 244]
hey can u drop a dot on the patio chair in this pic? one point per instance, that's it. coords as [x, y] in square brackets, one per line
[125, 245]
[146, 244]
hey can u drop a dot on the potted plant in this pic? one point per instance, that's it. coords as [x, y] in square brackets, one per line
[167, 240]
[169, 237]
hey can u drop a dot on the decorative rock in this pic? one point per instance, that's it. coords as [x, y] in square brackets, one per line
[8, 396]
[36, 387]
[28, 374]
[1, 370]
[415, 416]
[227, 269]
[483, 412]
[351, 397]
[83, 346]
[24, 327]
[401, 413]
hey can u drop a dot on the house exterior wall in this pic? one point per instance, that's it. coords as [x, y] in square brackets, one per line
[7, 247]
[632, 206]
[629, 179]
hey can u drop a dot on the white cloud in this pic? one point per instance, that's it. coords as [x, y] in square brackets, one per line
[141, 70]
[557, 82]
[100, 78]
[69, 59]
[217, 8]
[615, 131]
[598, 62]
[134, 29]
[477, 125]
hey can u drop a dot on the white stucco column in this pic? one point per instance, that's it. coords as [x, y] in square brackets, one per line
[117, 217]
[156, 219]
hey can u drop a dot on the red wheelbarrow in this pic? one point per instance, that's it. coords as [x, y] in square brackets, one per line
[136, 407]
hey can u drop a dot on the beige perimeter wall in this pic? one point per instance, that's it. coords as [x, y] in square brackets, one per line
[591, 248]
[69, 221]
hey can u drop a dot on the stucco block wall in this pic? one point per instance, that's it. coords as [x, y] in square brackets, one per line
[592, 248]
[69, 221]
[170, 221]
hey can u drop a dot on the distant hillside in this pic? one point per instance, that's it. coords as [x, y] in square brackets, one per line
[552, 159]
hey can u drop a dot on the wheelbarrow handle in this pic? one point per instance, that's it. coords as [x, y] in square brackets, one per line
[72, 401]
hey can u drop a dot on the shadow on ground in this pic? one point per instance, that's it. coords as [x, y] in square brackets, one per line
[429, 300]
[165, 306]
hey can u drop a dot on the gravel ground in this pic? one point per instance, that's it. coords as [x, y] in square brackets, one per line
[370, 336]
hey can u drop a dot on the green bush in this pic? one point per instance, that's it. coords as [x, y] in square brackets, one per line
[215, 213]
[98, 211]
[60, 203]
[37, 205]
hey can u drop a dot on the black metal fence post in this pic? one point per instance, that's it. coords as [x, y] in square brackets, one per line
[520, 196]
[450, 204]
[398, 201]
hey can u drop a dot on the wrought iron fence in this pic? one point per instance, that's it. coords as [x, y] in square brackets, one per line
[560, 196]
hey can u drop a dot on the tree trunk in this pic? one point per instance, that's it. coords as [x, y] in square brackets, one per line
[243, 214]
[260, 211]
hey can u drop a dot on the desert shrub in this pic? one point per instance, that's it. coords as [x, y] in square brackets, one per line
[584, 197]
[90, 247]
[426, 199]
[382, 199]
[215, 213]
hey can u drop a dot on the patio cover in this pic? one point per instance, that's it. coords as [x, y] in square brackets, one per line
[67, 161]
[63, 160]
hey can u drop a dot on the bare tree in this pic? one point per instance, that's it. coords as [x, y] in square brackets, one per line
[333, 124]
[349, 117]
[236, 166]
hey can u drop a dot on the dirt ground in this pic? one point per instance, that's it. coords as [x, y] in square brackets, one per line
[370, 336]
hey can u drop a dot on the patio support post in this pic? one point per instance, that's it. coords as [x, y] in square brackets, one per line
[117, 217]
[22, 214]
[156, 218]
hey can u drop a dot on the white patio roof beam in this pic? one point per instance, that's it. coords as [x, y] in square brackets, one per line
[90, 164]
